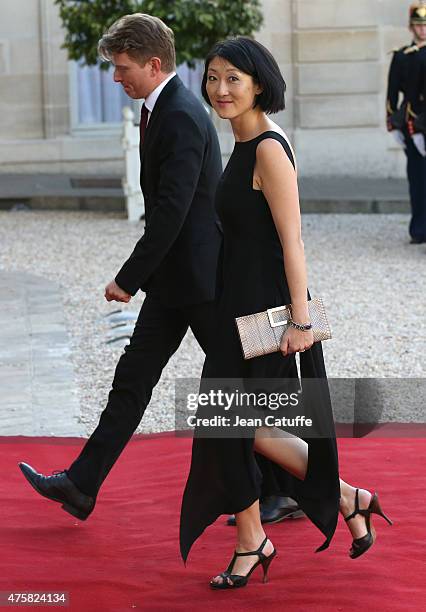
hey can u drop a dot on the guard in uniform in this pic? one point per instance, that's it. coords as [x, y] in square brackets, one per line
[407, 77]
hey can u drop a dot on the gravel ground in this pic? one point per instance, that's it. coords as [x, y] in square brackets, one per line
[361, 265]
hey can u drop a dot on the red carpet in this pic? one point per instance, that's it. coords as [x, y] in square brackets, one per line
[125, 556]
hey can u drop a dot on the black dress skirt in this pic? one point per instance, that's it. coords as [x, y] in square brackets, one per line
[224, 476]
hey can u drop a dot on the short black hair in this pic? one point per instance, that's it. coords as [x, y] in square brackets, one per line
[251, 57]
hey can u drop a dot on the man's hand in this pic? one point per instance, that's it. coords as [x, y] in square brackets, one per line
[114, 293]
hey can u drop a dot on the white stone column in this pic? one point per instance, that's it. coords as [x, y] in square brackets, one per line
[54, 72]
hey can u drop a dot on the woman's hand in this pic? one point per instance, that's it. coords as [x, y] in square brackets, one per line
[296, 341]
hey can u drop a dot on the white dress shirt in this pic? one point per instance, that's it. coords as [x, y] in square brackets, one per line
[151, 100]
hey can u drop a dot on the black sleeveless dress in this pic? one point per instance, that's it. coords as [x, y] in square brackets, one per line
[224, 476]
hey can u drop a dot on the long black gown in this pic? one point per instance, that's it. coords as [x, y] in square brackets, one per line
[224, 476]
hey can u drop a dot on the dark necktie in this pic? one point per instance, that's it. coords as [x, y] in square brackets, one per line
[143, 123]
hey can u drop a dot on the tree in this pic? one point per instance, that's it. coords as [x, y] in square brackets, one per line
[197, 24]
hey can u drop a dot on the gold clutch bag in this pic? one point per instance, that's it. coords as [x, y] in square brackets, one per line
[261, 333]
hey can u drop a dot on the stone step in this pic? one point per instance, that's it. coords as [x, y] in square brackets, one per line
[104, 193]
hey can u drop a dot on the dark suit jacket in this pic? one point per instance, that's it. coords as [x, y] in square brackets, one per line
[176, 258]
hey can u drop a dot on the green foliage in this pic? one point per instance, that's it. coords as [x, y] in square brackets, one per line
[197, 24]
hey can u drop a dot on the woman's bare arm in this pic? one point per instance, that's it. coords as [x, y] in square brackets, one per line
[277, 179]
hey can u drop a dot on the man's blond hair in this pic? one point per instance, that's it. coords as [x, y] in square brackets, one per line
[141, 36]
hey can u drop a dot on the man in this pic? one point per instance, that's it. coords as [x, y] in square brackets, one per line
[405, 77]
[174, 262]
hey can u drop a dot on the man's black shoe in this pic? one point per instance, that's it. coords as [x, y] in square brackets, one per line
[417, 241]
[275, 509]
[60, 488]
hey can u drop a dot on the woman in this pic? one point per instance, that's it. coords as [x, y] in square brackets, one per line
[263, 266]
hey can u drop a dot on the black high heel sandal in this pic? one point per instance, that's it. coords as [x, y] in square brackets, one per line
[241, 581]
[361, 545]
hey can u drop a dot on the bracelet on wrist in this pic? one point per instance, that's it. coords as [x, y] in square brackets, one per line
[300, 326]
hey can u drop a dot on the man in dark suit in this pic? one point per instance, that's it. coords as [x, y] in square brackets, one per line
[174, 262]
[406, 78]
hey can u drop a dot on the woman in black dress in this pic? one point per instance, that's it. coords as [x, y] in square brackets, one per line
[263, 266]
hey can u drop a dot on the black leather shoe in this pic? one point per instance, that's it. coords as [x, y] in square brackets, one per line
[274, 509]
[60, 488]
[417, 241]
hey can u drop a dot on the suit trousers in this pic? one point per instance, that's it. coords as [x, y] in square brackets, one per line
[416, 172]
[157, 335]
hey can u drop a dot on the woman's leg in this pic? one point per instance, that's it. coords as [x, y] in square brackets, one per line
[284, 449]
[250, 532]
[250, 535]
[291, 453]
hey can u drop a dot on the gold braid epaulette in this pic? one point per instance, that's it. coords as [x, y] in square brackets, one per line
[414, 48]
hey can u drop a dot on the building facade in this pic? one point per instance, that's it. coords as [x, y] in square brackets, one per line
[59, 117]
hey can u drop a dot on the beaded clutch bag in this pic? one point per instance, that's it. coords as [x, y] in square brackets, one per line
[261, 333]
